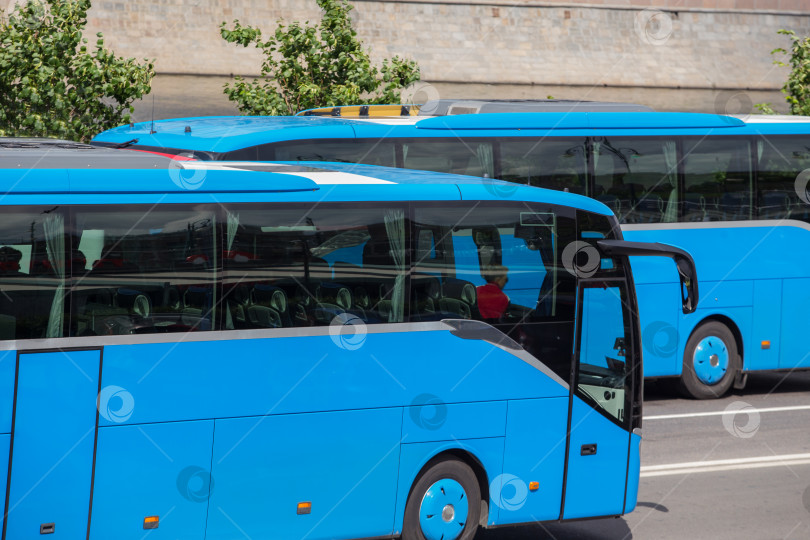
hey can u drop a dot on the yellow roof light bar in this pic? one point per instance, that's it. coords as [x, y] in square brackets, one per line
[363, 111]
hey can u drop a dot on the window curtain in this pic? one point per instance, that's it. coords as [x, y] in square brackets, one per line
[595, 154]
[485, 160]
[232, 225]
[54, 227]
[395, 228]
[671, 160]
[230, 231]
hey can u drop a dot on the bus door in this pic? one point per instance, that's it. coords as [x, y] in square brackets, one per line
[600, 401]
[52, 445]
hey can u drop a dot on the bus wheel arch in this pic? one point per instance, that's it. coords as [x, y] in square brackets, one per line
[464, 471]
[712, 358]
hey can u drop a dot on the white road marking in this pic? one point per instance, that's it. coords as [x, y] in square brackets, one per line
[721, 413]
[692, 467]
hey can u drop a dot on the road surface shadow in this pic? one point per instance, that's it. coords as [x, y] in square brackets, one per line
[759, 384]
[593, 529]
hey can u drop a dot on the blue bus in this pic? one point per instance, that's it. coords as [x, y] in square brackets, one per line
[268, 350]
[732, 192]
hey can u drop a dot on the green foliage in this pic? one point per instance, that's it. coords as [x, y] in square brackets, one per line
[797, 87]
[308, 66]
[52, 83]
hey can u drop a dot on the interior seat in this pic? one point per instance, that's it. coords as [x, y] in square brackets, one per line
[268, 307]
[458, 299]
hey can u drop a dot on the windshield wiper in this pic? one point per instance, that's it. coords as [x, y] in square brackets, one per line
[126, 144]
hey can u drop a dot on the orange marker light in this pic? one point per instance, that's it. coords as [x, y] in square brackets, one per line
[151, 522]
[766, 344]
[534, 486]
[304, 508]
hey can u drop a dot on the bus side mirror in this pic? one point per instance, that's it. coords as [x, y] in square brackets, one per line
[683, 261]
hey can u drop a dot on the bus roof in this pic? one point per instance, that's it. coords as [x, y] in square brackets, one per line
[43, 168]
[773, 118]
[219, 134]
[442, 107]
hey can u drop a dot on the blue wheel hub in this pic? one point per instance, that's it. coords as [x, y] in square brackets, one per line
[443, 512]
[710, 360]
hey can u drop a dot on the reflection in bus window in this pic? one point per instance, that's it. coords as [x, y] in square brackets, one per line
[144, 270]
[605, 332]
[379, 152]
[548, 163]
[781, 161]
[717, 179]
[458, 157]
[32, 273]
[303, 267]
[637, 178]
[460, 246]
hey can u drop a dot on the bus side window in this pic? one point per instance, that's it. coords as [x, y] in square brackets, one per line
[552, 164]
[458, 157]
[313, 267]
[506, 270]
[350, 151]
[33, 278]
[143, 270]
[718, 179]
[602, 371]
[781, 161]
[637, 178]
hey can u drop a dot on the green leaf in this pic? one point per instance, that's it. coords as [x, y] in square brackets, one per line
[51, 85]
[306, 66]
[795, 89]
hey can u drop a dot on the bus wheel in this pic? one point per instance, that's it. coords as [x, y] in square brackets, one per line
[444, 504]
[710, 361]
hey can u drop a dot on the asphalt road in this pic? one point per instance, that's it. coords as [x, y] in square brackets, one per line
[735, 468]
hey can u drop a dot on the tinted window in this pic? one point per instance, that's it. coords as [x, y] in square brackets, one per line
[637, 178]
[377, 152]
[286, 267]
[501, 265]
[718, 183]
[603, 375]
[781, 194]
[33, 273]
[549, 163]
[143, 270]
[474, 158]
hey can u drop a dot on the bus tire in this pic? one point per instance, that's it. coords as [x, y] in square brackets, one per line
[710, 361]
[445, 502]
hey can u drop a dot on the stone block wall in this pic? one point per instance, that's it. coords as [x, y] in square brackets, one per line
[676, 44]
